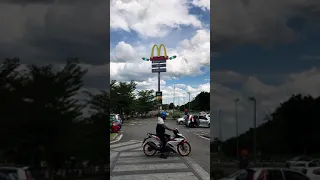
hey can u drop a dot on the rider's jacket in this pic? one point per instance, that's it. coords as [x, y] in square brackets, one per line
[160, 129]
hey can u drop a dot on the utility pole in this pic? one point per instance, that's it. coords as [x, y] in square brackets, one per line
[237, 126]
[220, 125]
[253, 99]
[174, 95]
[189, 102]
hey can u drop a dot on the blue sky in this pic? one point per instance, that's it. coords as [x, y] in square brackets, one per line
[189, 40]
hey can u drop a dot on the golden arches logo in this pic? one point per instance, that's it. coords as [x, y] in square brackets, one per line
[159, 51]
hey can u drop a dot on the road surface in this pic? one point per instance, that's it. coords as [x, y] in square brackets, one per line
[127, 160]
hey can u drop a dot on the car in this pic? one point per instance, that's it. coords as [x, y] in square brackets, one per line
[269, 173]
[17, 173]
[198, 121]
[117, 117]
[298, 159]
[114, 125]
[181, 120]
[310, 168]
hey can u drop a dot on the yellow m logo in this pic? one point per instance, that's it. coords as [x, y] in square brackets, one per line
[158, 50]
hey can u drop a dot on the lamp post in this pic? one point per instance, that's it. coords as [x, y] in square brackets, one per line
[253, 99]
[237, 126]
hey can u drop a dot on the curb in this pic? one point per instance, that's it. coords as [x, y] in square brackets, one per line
[116, 138]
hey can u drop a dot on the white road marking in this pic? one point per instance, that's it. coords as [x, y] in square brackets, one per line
[145, 159]
[155, 176]
[123, 148]
[199, 170]
[113, 156]
[125, 154]
[148, 167]
[118, 139]
[122, 144]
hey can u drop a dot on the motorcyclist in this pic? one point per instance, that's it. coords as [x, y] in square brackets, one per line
[161, 129]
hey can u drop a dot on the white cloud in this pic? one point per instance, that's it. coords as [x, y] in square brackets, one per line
[179, 92]
[151, 18]
[203, 4]
[192, 54]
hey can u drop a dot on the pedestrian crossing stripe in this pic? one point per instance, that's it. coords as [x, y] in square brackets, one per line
[128, 162]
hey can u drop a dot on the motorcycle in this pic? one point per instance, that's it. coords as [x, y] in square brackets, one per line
[178, 144]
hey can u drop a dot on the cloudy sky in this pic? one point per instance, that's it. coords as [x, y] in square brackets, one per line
[267, 49]
[49, 32]
[183, 26]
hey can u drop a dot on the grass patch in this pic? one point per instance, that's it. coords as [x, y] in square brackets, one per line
[112, 135]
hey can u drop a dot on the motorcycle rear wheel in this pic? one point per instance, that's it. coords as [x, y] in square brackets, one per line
[148, 150]
[184, 146]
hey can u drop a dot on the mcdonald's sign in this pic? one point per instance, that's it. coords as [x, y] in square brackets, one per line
[158, 57]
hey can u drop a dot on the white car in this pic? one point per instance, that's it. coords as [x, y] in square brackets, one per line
[17, 173]
[309, 168]
[180, 120]
[267, 173]
[298, 159]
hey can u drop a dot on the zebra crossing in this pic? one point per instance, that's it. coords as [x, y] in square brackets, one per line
[128, 162]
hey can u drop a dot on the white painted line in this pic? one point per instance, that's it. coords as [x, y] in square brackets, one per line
[148, 167]
[146, 159]
[123, 148]
[118, 139]
[138, 149]
[113, 156]
[198, 169]
[122, 144]
[166, 176]
[125, 154]
[204, 138]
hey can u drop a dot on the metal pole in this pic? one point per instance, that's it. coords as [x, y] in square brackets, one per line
[174, 93]
[255, 130]
[237, 127]
[220, 126]
[189, 102]
[159, 105]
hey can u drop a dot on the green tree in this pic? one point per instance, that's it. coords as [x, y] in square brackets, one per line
[145, 101]
[122, 96]
[294, 130]
[171, 106]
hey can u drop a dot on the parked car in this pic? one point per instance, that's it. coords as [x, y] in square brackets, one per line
[310, 168]
[268, 174]
[117, 117]
[298, 159]
[16, 173]
[114, 125]
[181, 120]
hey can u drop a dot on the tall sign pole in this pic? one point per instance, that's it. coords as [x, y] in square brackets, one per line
[158, 66]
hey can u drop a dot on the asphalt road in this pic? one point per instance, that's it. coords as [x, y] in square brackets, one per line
[195, 166]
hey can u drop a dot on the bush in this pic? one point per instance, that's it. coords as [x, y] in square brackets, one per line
[176, 116]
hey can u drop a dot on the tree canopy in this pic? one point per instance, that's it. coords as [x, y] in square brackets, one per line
[42, 115]
[291, 129]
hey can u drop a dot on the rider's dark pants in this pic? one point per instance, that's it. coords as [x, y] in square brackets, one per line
[163, 140]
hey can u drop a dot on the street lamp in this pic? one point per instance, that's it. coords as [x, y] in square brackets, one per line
[174, 93]
[237, 125]
[253, 99]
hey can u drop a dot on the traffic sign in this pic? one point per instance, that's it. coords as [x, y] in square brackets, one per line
[159, 70]
[158, 93]
[162, 61]
[158, 65]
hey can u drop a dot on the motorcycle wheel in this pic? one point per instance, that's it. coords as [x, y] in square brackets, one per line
[149, 150]
[185, 149]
